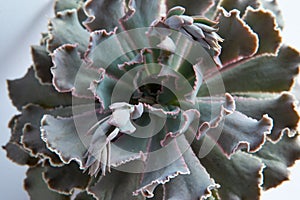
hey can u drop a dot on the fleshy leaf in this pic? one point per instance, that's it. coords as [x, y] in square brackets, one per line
[193, 7]
[263, 23]
[104, 14]
[16, 153]
[266, 73]
[195, 185]
[239, 5]
[230, 129]
[188, 119]
[61, 5]
[30, 114]
[44, 95]
[67, 136]
[213, 111]
[103, 88]
[33, 143]
[26, 130]
[272, 5]
[66, 29]
[122, 182]
[282, 109]
[139, 15]
[70, 73]
[84, 196]
[240, 176]
[42, 63]
[241, 132]
[239, 39]
[37, 188]
[66, 178]
[277, 158]
[173, 168]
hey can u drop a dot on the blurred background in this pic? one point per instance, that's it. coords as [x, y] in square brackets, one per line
[21, 25]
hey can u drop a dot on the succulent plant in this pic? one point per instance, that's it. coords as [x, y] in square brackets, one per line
[157, 99]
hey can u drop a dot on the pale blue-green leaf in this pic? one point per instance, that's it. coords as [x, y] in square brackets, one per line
[239, 39]
[37, 188]
[265, 73]
[281, 108]
[41, 63]
[239, 5]
[274, 8]
[103, 89]
[16, 153]
[212, 112]
[70, 73]
[61, 5]
[33, 143]
[193, 186]
[187, 120]
[277, 158]
[240, 177]
[66, 178]
[26, 130]
[84, 196]
[67, 137]
[238, 131]
[139, 15]
[65, 28]
[116, 185]
[176, 10]
[104, 14]
[29, 90]
[264, 24]
[174, 166]
[193, 7]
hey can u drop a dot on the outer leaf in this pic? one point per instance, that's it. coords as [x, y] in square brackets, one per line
[193, 7]
[37, 188]
[239, 39]
[26, 130]
[101, 58]
[116, 185]
[277, 158]
[173, 167]
[273, 6]
[263, 23]
[265, 73]
[84, 196]
[104, 14]
[241, 132]
[61, 5]
[42, 63]
[71, 73]
[193, 186]
[33, 143]
[239, 5]
[66, 178]
[44, 95]
[65, 138]
[139, 15]
[232, 130]
[30, 114]
[240, 176]
[282, 109]
[66, 29]
[16, 153]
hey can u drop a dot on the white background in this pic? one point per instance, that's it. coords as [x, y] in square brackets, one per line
[21, 22]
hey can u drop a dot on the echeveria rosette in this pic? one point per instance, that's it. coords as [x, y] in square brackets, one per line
[81, 118]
